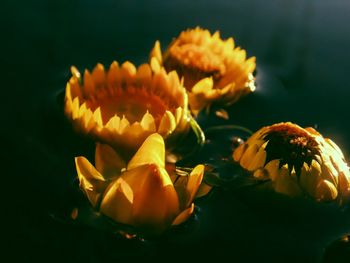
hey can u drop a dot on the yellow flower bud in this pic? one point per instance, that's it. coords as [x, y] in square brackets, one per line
[140, 193]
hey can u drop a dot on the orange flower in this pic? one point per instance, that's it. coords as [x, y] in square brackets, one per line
[297, 161]
[196, 54]
[140, 193]
[124, 105]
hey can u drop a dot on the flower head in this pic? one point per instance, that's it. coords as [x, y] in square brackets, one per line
[123, 105]
[297, 161]
[197, 54]
[141, 192]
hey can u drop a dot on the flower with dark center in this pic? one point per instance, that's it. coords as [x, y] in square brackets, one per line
[297, 161]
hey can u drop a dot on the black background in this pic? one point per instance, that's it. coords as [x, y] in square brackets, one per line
[302, 75]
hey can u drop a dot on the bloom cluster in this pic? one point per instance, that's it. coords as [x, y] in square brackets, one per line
[139, 116]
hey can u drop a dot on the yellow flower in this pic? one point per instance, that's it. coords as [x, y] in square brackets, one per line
[123, 105]
[297, 161]
[140, 193]
[196, 54]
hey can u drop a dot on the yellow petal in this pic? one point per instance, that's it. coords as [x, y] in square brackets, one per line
[75, 72]
[156, 52]
[75, 108]
[167, 124]
[155, 203]
[326, 191]
[285, 183]
[107, 161]
[113, 123]
[98, 117]
[203, 190]
[148, 123]
[184, 215]
[273, 169]
[203, 86]
[194, 181]
[237, 154]
[155, 65]
[117, 202]
[248, 155]
[258, 161]
[310, 176]
[91, 181]
[152, 151]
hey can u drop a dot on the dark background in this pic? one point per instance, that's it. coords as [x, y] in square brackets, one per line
[302, 55]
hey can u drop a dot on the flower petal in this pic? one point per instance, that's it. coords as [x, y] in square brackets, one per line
[326, 191]
[155, 202]
[167, 124]
[156, 52]
[203, 190]
[91, 181]
[184, 215]
[194, 181]
[152, 151]
[107, 161]
[117, 202]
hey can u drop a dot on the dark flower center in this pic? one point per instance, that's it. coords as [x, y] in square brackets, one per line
[292, 146]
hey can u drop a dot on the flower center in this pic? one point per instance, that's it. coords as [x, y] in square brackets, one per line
[194, 63]
[131, 105]
[291, 145]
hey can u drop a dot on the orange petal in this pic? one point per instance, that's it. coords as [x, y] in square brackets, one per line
[184, 215]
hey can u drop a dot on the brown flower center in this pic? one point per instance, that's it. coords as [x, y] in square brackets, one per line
[291, 145]
[132, 105]
[194, 63]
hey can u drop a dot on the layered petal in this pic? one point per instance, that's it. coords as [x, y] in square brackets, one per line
[197, 54]
[297, 161]
[123, 105]
[91, 181]
[140, 193]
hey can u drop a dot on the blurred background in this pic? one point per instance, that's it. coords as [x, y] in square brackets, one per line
[301, 47]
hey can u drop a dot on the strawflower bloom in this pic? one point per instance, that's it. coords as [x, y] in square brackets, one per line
[298, 161]
[197, 55]
[140, 193]
[125, 104]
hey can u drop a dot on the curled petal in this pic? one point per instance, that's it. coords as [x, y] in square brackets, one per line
[91, 181]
